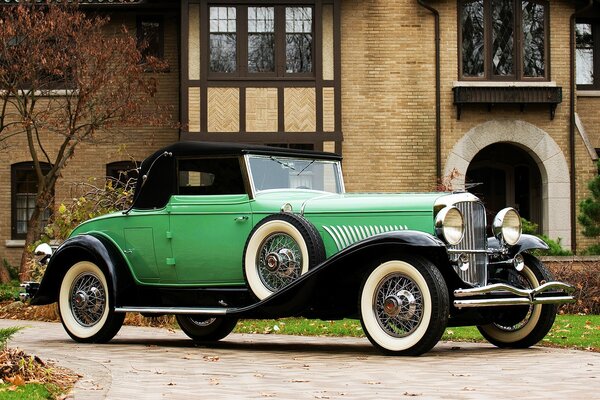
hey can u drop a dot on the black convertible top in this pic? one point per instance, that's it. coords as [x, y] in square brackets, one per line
[160, 168]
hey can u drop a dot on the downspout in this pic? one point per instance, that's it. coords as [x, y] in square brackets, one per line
[438, 123]
[572, 125]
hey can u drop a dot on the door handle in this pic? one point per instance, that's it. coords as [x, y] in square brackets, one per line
[243, 218]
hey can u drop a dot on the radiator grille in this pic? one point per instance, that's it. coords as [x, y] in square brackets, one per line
[474, 239]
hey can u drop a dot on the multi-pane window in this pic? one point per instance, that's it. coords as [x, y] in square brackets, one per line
[150, 36]
[260, 40]
[586, 55]
[504, 39]
[24, 192]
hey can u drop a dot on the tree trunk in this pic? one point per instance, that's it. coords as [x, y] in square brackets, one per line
[34, 231]
[4, 274]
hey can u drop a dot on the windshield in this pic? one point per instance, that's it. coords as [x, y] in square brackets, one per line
[272, 172]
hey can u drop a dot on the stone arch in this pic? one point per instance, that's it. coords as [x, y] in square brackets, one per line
[545, 151]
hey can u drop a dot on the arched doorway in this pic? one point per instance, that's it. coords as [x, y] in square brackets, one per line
[504, 175]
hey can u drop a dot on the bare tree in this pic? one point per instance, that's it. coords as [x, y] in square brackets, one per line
[66, 79]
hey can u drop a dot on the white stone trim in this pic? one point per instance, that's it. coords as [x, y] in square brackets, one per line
[549, 157]
[14, 243]
[503, 84]
[588, 93]
[585, 138]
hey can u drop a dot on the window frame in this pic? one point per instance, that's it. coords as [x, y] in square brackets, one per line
[14, 169]
[595, 23]
[140, 18]
[280, 32]
[518, 40]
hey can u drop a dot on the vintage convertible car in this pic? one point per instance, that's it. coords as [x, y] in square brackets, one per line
[219, 232]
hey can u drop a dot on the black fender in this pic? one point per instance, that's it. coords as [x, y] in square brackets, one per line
[526, 242]
[331, 288]
[96, 249]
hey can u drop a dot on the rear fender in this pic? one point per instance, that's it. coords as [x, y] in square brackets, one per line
[89, 247]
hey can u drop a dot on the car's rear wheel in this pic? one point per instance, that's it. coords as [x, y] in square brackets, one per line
[84, 305]
[206, 329]
[523, 326]
[404, 306]
[280, 248]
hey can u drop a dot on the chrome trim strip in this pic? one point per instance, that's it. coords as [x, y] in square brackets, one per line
[173, 310]
[346, 235]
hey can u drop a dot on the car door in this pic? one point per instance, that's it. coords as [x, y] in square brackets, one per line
[210, 221]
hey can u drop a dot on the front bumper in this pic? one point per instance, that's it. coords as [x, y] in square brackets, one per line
[500, 294]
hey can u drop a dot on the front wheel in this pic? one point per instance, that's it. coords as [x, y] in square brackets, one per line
[521, 327]
[203, 329]
[404, 306]
[84, 305]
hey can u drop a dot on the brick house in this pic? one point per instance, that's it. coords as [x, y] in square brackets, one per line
[408, 91]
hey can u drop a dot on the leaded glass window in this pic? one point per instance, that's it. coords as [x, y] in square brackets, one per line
[261, 39]
[584, 54]
[223, 39]
[534, 39]
[298, 38]
[472, 38]
[504, 39]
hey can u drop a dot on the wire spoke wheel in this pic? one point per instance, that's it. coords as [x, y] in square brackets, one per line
[88, 299]
[279, 261]
[398, 305]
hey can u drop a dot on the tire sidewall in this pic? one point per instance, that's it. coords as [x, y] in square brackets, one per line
[255, 242]
[66, 314]
[500, 335]
[369, 318]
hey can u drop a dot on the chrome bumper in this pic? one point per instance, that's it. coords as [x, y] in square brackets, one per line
[31, 289]
[500, 294]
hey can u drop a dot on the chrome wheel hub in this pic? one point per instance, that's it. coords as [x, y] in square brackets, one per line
[398, 305]
[279, 261]
[88, 299]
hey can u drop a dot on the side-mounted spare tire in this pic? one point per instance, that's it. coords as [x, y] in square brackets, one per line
[279, 249]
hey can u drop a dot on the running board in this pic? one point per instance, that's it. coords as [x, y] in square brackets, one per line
[175, 310]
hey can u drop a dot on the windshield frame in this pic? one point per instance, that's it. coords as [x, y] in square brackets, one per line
[336, 163]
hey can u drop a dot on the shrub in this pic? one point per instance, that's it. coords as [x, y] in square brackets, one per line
[585, 277]
[555, 248]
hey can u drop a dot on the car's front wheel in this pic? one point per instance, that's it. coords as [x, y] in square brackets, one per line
[404, 306]
[84, 305]
[206, 329]
[523, 326]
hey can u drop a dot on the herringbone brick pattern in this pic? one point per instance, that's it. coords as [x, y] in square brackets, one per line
[300, 111]
[223, 110]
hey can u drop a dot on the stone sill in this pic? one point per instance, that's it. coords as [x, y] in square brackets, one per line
[570, 258]
[16, 244]
[503, 84]
[588, 93]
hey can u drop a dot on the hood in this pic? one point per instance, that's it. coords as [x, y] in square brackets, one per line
[310, 202]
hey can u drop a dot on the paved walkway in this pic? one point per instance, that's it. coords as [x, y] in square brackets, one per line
[151, 363]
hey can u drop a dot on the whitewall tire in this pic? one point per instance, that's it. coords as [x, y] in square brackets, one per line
[84, 304]
[403, 306]
[279, 250]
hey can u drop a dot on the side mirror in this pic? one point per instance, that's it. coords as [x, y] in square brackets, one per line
[43, 251]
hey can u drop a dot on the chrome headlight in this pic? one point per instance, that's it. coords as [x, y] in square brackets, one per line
[507, 226]
[450, 225]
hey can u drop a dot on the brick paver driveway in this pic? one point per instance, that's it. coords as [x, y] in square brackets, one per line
[151, 363]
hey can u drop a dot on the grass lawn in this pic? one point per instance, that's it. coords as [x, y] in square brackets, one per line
[30, 391]
[573, 331]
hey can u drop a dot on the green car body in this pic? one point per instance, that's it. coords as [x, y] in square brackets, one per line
[219, 232]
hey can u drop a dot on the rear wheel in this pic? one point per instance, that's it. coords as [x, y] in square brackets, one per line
[206, 329]
[404, 306]
[522, 327]
[84, 305]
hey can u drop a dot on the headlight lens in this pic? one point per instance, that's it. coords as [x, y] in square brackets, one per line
[507, 226]
[449, 225]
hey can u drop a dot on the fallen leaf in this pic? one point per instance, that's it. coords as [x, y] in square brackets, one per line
[16, 380]
[211, 358]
